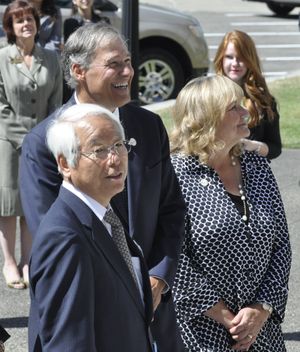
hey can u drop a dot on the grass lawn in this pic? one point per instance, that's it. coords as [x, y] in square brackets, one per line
[287, 93]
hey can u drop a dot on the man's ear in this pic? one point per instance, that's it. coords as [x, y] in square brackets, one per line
[64, 167]
[78, 72]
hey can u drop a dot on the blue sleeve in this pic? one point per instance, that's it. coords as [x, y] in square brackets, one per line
[166, 248]
[53, 42]
[274, 288]
[39, 179]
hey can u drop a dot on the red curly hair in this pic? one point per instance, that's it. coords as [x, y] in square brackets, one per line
[257, 94]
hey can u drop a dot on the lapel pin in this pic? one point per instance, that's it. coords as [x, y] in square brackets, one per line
[16, 60]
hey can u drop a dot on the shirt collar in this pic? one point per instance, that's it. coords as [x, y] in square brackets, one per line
[98, 209]
[116, 112]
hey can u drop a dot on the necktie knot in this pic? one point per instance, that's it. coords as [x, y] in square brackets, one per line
[111, 218]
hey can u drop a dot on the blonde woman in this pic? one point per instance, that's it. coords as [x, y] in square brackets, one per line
[230, 288]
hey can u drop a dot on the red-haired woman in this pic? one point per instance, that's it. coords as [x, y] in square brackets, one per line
[237, 59]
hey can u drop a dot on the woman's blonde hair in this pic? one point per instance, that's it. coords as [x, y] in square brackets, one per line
[257, 95]
[199, 108]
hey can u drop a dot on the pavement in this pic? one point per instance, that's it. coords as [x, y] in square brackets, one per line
[14, 305]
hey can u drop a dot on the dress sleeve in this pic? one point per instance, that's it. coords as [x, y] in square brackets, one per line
[194, 294]
[274, 288]
[272, 135]
[269, 132]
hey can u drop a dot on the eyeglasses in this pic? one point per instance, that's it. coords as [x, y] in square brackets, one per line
[120, 148]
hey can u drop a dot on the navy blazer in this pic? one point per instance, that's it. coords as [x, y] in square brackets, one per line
[155, 208]
[83, 297]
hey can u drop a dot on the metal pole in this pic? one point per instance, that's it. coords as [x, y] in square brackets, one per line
[130, 30]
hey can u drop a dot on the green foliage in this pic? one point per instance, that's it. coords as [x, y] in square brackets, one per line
[166, 116]
[287, 94]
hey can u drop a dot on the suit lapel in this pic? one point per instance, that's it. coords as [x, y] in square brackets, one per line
[135, 174]
[134, 182]
[135, 250]
[105, 244]
[17, 60]
[37, 61]
[119, 206]
[102, 242]
[21, 67]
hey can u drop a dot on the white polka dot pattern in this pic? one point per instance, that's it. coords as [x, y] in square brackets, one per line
[222, 257]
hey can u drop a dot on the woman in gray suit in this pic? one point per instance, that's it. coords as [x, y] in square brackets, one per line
[30, 89]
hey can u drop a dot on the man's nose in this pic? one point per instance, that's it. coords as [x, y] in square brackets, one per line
[113, 157]
[127, 70]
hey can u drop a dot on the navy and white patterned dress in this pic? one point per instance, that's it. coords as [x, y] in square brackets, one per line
[223, 257]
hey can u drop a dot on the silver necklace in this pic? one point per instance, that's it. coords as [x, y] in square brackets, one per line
[242, 194]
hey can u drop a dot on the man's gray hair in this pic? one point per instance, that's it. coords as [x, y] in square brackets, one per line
[61, 133]
[82, 45]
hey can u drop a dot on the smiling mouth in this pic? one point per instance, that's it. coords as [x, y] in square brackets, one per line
[121, 85]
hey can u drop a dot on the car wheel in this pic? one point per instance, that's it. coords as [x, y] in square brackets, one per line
[279, 9]
[160, 76]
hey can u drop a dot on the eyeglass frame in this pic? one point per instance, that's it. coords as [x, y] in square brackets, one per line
[124, 149]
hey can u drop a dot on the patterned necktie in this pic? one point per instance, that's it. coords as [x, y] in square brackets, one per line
[118, 235]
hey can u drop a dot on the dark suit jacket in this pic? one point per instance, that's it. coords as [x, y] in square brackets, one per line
[156, 208]
[74, 22]
[83, 296]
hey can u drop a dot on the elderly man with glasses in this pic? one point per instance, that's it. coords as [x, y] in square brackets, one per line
[84, 270]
